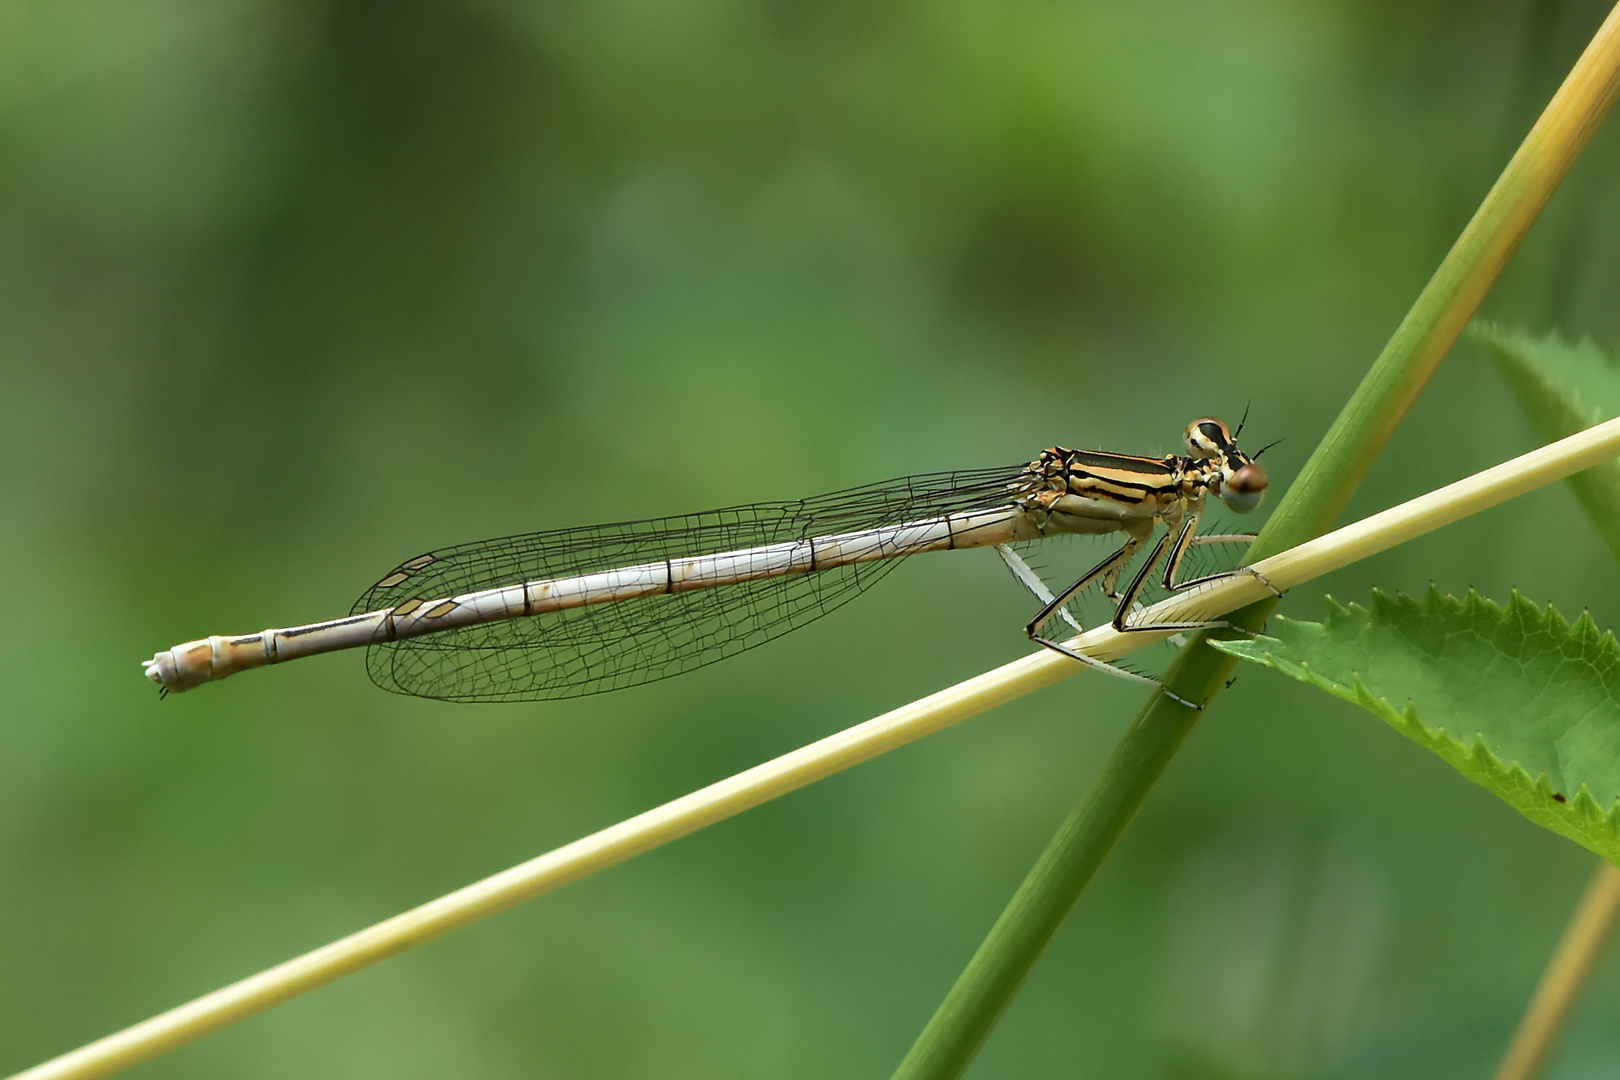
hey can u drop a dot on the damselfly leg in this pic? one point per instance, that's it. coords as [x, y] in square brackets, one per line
[1059, 609]
[1106, 574]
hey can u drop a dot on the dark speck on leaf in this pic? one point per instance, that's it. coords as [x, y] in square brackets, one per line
[1559, 798]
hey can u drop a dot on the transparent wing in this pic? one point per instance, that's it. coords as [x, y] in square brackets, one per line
[589, 650]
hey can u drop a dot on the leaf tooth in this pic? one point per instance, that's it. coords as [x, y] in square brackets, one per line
[1385, 606]
[1607, 650]
[1305, 673]
[1257, 649]
[1586, 807]
[1551, 618]
[1585, 631]
[1542, 786]
[1371, 701]
[1611, 820]
[1377, 602]
[1411, 606]
[1523, 621]
[1486, 758]
[1337, 614]
[1487, 607]
[1413, 722]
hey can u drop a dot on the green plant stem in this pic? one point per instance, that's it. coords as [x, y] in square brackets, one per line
[1072, 858]
[1449, 300]
[1341, 461]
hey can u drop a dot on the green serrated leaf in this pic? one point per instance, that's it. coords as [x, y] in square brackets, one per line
[1515, 698]
[1565, 388]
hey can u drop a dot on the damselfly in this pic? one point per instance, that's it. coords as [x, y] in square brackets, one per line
[580, 611]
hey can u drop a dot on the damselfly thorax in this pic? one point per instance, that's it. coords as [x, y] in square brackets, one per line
[585, 610]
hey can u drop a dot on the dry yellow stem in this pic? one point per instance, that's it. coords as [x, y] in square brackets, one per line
[1577, 956]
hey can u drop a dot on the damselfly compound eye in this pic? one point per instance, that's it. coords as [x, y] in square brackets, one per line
[1245, 489]
[1207, 438]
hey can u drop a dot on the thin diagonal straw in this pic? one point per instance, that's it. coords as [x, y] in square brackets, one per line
[808, 764]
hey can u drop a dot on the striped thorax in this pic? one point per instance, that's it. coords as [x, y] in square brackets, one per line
[1091, 492]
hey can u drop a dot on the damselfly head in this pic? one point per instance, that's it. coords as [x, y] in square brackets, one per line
[1242, 480]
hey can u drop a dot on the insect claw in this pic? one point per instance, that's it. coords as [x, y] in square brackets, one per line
[1258, 576]
[1178, 699]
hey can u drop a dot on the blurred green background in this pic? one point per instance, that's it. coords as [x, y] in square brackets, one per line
[290, 291]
